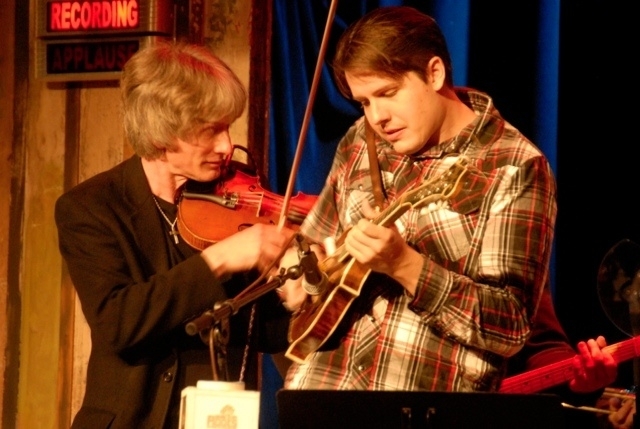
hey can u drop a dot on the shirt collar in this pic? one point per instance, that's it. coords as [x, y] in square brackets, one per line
[482, 105]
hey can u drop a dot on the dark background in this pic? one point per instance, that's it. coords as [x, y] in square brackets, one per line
[597, 156]
[597, 145]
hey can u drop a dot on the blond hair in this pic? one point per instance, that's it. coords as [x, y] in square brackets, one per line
[170, 89]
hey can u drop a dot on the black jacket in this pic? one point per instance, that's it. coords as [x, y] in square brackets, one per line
[136, 303]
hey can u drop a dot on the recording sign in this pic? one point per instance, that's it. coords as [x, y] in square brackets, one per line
[91, 40]
[80, 18]
[71, 16]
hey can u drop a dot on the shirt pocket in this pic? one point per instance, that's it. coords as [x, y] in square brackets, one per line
[444, 229]
[356, 193]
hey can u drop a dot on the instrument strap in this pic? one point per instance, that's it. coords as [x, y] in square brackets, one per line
[376, 179]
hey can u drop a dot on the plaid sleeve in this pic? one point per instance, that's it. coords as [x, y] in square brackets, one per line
[324, 219]
[490, 304]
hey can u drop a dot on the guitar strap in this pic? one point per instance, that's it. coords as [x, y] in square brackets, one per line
[376, 179]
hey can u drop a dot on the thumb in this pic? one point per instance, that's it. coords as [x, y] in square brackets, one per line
[369, 211]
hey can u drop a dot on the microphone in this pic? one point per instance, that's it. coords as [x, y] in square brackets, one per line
[314, 281]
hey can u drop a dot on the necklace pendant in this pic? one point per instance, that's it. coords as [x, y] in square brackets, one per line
[174, 233]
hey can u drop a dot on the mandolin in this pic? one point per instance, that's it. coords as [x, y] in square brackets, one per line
[560, 372]
[318, 317]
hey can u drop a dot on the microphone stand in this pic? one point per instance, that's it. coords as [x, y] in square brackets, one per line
[216, 320]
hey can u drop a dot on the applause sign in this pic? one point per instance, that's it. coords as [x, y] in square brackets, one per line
[92, 40]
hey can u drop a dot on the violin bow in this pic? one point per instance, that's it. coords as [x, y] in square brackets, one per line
[307, 114]
[255, 289]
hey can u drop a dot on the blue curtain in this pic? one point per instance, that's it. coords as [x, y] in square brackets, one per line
[520, 71]
[515, 60]
[508, 49]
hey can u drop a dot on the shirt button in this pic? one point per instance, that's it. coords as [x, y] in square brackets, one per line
[167, 376]
[360, 367]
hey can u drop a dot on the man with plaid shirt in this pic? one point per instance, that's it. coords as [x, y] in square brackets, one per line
[451, 286]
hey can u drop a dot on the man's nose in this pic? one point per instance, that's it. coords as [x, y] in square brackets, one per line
[223, 143]
[377, 114]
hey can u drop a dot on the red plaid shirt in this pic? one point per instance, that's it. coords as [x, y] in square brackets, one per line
[486, 254]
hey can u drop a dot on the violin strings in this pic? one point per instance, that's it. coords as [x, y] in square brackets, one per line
[257, 200]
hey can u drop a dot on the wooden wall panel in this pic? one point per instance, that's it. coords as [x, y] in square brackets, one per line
[69, 133]
[41, 261]
[101, 135]
[226, 32]
[6, 138]
[101, 146]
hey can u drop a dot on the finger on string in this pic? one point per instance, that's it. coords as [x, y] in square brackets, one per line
[368, 211]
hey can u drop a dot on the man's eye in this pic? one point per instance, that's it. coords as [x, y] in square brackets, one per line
[215, 129]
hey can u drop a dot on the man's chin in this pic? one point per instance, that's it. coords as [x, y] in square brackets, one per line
[401, 147]
[207, 176]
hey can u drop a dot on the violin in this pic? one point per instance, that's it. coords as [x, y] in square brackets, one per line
[234, 202]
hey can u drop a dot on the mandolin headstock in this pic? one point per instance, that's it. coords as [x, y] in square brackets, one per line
[439, 188]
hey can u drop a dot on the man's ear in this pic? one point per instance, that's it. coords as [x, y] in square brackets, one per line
[436, 73]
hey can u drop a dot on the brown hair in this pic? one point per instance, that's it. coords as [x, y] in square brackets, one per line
[390, 41]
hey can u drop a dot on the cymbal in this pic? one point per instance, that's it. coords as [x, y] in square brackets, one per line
[619, 286]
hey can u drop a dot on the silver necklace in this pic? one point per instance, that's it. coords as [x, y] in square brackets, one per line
[174, 232]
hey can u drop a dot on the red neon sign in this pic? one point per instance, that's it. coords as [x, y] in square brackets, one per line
[92, 15]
